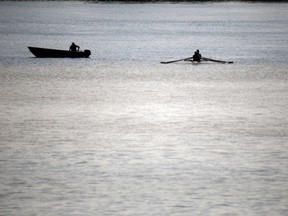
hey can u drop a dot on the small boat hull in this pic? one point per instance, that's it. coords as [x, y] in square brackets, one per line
[55, 53]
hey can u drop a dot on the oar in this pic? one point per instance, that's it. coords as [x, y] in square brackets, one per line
[214, 60]
[168, 62]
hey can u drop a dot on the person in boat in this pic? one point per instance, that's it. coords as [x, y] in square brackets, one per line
[197, 56]
[74, 47]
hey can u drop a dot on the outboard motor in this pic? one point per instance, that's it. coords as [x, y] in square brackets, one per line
[87, 53]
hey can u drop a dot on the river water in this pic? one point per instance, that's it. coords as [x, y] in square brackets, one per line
[121, 134]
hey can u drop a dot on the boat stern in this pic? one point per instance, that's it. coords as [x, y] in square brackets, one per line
[87, 53]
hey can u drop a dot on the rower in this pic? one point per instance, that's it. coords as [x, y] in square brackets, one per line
[197, 56]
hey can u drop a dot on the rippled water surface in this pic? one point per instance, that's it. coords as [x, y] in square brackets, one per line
[121, 134]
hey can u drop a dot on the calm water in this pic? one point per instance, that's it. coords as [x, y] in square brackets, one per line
[121, 134]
